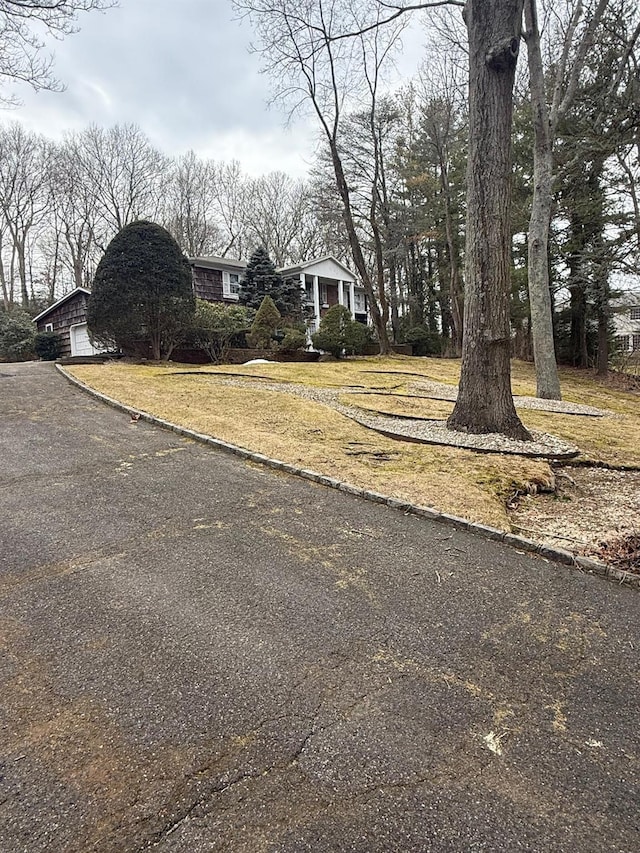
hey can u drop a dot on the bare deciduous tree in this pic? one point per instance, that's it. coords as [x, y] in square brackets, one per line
[22, 23]
[125, 172]
[24, 192]
[189, 206]
[313, 63]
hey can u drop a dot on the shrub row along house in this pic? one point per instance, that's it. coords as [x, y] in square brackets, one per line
[324, 282]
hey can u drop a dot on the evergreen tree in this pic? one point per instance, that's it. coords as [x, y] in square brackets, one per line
[142, 290]
[265, 324]
[262, 279]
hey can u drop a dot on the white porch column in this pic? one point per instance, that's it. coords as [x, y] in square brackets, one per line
[352, 298]
[303, 284]
[340, 292]
[316, 301]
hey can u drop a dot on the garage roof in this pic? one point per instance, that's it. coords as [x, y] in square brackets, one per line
[61, 301]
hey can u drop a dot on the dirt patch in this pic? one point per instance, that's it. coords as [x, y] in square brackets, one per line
[591, 510]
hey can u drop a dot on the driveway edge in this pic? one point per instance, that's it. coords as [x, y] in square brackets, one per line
[557, 555]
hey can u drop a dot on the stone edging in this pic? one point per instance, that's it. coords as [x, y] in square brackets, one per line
[558, 555]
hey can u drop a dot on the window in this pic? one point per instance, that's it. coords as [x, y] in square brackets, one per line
[323, 295]
[48, 327]
[635, 343]
[230, 284]
[634, 313]
[360, 302]
[622, 343]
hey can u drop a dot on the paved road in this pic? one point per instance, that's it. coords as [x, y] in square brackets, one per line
[202, 655]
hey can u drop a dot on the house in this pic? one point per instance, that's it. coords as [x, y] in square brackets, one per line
[324, 282]
[68, 319]
[626, 320]
[217, 279]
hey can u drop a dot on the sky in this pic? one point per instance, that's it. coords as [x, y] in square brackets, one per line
[182, 71]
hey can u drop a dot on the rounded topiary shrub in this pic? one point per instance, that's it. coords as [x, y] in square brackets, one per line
[142, 291]
[340, 334]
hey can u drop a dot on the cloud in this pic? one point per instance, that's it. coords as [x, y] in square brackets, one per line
[183, 72]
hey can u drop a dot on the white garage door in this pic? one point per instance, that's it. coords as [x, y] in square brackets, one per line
[80, 343]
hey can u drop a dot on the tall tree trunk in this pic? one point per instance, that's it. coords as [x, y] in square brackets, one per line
[602, 359]
[547, 379]
[378, 305]
[22, 273]
[456, 294]
[3, 281]
[393, 298]
[485, 402]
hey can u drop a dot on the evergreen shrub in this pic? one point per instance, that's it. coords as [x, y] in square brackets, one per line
[266, 321]
[339, 333]
[16, 336]
[47, 345]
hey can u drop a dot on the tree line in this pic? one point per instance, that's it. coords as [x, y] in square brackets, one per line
[61, 203]
[388, 193]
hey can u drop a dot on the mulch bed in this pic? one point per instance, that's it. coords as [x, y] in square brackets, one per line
[623, 552]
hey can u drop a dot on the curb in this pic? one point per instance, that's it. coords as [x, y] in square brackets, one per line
[558, 555]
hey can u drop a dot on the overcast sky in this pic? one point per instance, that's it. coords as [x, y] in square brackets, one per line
[182, 70]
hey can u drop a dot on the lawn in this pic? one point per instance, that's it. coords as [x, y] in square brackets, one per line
[309, 434]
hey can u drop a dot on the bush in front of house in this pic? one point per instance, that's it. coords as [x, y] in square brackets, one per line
[215, 326]
[47, 346]
[16, 336]
[293, 340]
[142, 291]
[340, 334]
[266, 321]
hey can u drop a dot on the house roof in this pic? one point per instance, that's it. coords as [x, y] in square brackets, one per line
[61, 301]
[314, 262]
[213, 262]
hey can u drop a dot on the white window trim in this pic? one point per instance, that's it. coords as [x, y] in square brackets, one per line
[226, 285]
[48, 327]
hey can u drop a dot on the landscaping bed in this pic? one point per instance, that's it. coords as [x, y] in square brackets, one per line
[310, 434]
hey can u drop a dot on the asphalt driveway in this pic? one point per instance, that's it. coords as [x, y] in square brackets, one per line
[198, 654]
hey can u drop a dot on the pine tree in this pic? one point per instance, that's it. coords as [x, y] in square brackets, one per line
[262, 279]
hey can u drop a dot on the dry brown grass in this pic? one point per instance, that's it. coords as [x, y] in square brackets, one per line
[314, 436]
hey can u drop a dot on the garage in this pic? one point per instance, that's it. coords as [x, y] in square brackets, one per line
[80, 343]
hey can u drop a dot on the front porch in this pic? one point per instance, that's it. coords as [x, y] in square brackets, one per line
[326, 283]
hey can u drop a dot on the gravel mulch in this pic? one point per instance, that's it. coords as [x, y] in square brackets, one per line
[442, 391]
[544, 446]
[422, 431]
